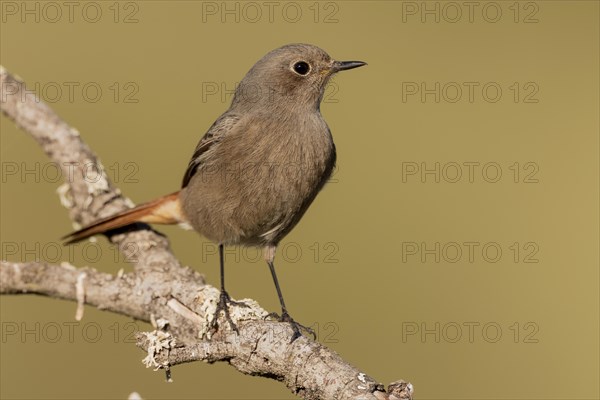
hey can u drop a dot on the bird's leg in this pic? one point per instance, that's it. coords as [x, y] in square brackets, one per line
[224, 299]
[285, 316]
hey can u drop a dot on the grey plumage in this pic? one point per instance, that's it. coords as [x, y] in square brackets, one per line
[256, 171]
[265, 159]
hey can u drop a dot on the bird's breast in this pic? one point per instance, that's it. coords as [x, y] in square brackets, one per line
[255, 186]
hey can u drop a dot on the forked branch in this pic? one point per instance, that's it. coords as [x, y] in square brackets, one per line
[160, 290]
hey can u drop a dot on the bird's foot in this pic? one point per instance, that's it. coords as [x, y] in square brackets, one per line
[296, 327]
[223, 305]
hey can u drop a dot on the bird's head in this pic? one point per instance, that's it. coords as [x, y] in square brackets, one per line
[294, 75]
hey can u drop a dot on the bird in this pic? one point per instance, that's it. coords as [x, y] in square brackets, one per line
[257, 169]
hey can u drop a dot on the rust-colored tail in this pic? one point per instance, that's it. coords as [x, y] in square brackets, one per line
[164, 210]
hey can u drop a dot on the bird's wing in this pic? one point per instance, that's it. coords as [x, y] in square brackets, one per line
[217, 131]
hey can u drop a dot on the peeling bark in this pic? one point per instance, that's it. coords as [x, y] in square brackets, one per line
[160, 290]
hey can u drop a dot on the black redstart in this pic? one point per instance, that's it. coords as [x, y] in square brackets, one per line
[258, 168]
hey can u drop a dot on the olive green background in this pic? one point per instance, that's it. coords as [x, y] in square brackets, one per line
[347, 268]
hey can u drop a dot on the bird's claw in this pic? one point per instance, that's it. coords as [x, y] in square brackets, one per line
[223, 305]
[296, 327]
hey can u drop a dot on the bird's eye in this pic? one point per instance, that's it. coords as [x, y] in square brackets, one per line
[301, 68]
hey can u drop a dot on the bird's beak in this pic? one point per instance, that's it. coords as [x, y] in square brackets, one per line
[344, 65]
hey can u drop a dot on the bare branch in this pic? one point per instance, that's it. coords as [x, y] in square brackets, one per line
[161, 287]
